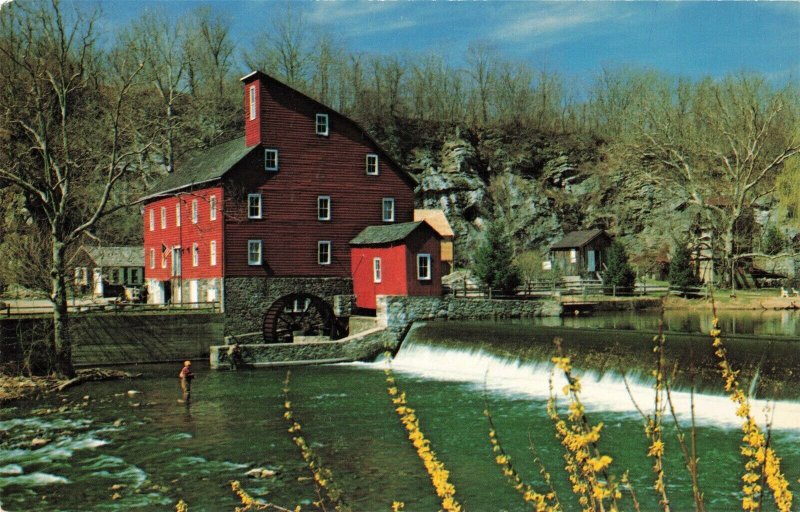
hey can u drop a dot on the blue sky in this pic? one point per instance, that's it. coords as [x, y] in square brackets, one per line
[577, 39]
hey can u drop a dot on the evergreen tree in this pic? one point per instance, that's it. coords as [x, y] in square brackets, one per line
[619, 276]
[494, 261]
[681, 273]
[773, 241]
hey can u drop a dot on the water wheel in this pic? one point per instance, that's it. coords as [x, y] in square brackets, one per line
[299, 314]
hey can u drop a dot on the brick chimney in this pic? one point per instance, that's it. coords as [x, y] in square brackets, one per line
[253, 88]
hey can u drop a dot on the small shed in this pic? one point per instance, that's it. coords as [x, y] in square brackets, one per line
[108, 271]
[438, 221]
[395, 259]
[581, 252]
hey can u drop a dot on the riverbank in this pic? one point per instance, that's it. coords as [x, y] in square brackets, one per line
[745, 301]
[17, 387]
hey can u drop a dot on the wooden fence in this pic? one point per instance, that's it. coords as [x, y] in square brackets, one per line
[582, 287]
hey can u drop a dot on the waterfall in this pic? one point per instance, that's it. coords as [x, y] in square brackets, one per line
[600, 392]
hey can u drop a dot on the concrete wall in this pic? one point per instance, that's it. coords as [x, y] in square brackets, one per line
[360, 347]
[121, 338]
[247, 298]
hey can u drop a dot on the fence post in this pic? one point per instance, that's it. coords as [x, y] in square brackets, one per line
[613, 290]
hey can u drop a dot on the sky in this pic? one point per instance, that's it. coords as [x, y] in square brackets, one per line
[576, 39]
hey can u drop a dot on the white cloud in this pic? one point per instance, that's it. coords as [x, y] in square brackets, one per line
[546, 24]
[359, 18]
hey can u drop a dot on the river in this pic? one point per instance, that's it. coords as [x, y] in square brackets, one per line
[109, 451]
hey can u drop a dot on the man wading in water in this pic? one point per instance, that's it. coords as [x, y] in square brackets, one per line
[186, 377]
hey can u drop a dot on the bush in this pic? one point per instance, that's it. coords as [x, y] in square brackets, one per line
[619, 276]
[494, 261]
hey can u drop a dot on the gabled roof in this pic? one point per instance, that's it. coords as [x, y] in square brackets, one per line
[125, 256]
[412, 180]
[437, 220]
[376, 235]
[575, 239]
[203, 167]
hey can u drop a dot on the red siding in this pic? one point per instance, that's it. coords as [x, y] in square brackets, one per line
[202, 233]
[393, 273]
[424, 240]
[252, 127]
[310, 165]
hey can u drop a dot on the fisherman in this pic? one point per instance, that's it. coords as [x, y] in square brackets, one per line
[186, 377]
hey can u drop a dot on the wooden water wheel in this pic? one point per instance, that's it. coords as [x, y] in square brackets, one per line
[299, 314]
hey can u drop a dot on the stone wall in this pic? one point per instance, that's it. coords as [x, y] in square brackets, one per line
[247, 298]
[398, 313]
[119, 338]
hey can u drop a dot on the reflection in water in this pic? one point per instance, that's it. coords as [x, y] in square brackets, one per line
[760, 323]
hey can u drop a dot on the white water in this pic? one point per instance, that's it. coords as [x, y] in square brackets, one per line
[606, 393]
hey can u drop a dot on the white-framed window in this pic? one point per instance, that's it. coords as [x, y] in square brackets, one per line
[212, 253]
[372, 164]
[323, 207]
[176, 261]
[324, 252]
[573, 256]
[271, 159]
[388, 209]
[152, 258]
[212, 207]
[194, 211]
[163, 217]
[322, 124]
[424, 267]
[254, 252]
[376, 270]
[195, 255]
[178, 214]
[81, 276]
[252, 102]
[152, 219]
[253, 206]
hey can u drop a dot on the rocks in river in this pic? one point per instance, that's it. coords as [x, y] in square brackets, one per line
[117, 487]
[87, 397]
[116, 496]
[261, 473]
[119, 422]
[38, 442]
[133, 392]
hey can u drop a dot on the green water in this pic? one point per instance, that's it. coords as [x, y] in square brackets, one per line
[162, 451]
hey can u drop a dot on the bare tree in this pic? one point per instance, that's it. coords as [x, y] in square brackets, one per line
[66, 129]
[481, 57]
[723, 144]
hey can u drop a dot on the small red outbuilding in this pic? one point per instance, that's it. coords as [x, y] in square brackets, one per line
[395, 259]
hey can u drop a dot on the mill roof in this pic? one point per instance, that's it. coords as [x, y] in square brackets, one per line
[437, 220]
[203, 167]
[575, 239]
[126, 256]
[376, 235]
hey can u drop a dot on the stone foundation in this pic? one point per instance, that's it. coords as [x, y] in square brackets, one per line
[247, 298]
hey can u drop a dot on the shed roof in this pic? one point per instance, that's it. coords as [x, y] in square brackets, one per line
[376, 235]
[203, 167]
[116, 256]
[436, 219]
[575, 239]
